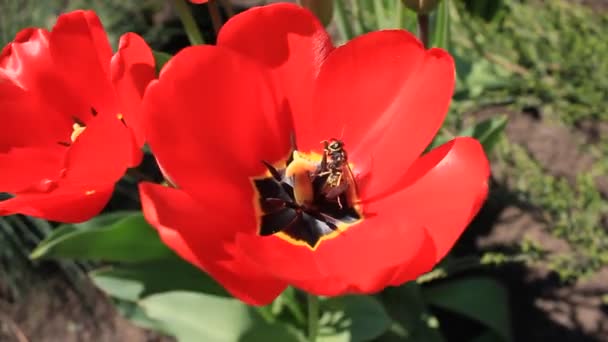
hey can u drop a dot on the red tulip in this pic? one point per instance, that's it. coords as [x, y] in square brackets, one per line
[198, 1]
[70, 117]
[220, 119]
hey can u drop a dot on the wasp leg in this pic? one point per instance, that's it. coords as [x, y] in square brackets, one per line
[336, 191]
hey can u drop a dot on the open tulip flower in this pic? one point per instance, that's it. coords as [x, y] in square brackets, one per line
[69, 111]
[295, 162]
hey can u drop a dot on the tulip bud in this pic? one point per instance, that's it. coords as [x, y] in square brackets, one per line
[323, 9]
[421, 6]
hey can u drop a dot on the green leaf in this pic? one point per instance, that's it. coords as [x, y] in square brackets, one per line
[288, 300]
[352, 318]
[413, 319]
[441, 28]
[124, 236]
[488, 132]
[160, 58]
[487, 336]
[198, 317]
[482, 299]
[483, 8]
[273, 332]
[480, 75]
[134, 281]
[134, 313]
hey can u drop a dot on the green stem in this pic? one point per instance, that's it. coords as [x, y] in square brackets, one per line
[398, 14]
[216, 18]
[380, 15]
[423, 29]
[342, 22]
[185, 15]
[357, 17]
[313, 317]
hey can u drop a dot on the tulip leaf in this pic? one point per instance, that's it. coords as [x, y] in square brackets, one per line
[487, 336]
[413, 320]
[135, 281]
[484, 9]
[273, 332]
[197, 317]
[161, 58]
[488, 132]
[441, 28]
[352, 318]
[481, 299]
[134, 313]
[288, 300]
[124, 236]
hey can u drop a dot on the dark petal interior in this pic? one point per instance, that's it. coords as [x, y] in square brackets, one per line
[277, 221]
[280, 213]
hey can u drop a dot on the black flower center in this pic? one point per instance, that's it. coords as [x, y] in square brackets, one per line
[296, 206]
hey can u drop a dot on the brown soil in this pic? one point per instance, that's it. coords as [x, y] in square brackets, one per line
[543, 307]
[51, 310]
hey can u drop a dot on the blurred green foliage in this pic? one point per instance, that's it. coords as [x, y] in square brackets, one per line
[144, 17]
[547, 55]
[552, 55]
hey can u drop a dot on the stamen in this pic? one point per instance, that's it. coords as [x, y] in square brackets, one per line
[301, 204]
[120, 117]
[77, 130]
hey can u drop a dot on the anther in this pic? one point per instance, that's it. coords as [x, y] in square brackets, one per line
[120, 117]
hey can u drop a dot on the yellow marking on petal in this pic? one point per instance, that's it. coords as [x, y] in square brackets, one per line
[77, 130]
[340, 229]
[89, 192]
[304, 162]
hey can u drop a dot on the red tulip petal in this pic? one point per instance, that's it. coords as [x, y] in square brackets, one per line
[387, 96]
[444, 189]
[27, 122]
[81, 52]
[362, 259]
[26, 168]
[211, 94]
[22, 60]
[422, 263]
[132, 69]
[64, 204]
[82, 35]
[403, 235]
[198, 1]
[289, 40]
[101, 154]
[201, 237]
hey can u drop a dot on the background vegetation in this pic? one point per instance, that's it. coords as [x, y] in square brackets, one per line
[532, 84]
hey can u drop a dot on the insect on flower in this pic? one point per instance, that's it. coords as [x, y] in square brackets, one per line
[334, 165]
[281, 207]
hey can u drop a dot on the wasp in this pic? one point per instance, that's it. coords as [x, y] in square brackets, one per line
[334, 165]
